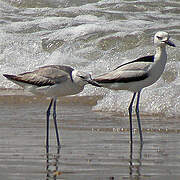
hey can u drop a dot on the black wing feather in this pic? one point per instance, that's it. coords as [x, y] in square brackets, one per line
[142, 59]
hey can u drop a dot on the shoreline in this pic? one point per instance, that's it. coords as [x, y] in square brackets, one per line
[20, 96]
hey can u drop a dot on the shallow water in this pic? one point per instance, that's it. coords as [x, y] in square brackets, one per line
[95, 145]
[94, 36]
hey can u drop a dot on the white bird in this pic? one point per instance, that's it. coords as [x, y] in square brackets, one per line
[138, 74]
[53, 81]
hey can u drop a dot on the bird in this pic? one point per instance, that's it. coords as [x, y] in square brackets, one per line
[52, 81]
[137, 74]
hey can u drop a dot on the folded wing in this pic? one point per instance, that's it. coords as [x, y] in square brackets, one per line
[44, 76]
[128, 73]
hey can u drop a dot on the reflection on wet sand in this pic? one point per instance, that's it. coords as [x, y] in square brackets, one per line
[52, 164]
[135, 170]
[95, 145]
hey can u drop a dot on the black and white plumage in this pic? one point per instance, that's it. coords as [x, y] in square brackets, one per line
[138, 74]
[53, 81]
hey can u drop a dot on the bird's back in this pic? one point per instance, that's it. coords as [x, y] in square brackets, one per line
[52, 80]
[44, 76]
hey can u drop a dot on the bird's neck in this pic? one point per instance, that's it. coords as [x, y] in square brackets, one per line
[77, 80]
[161, 54]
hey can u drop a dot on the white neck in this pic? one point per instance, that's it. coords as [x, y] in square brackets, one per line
[74, 72]
[77, 79]
[160, 59]
[160, 55]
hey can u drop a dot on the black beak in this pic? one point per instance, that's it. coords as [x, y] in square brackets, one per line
[170, 43]
[94, 83]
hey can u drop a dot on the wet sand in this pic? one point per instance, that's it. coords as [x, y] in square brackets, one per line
[95, 145]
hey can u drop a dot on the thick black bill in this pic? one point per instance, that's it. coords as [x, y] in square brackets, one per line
[93, 83]
[170, 43]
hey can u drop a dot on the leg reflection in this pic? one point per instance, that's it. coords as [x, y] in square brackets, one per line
[135, 163]
[52, 163]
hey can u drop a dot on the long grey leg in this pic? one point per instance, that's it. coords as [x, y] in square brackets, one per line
[130, 117]
[138, 117]
[55, 124]
[47, 130]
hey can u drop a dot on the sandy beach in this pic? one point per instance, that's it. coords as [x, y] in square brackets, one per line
[95, 145]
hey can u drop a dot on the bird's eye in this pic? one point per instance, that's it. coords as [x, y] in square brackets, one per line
[160, 38]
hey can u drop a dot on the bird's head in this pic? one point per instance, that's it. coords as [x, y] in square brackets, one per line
[161, 39]
[83, 78]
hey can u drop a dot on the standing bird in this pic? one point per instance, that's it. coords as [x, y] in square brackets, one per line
[135, 75]
[53, 81]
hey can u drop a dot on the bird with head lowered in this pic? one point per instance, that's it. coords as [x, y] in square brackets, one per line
[53, 81]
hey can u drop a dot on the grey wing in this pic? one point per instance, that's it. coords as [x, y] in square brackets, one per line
[56, 73]
[45, 76]
[124, 74]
